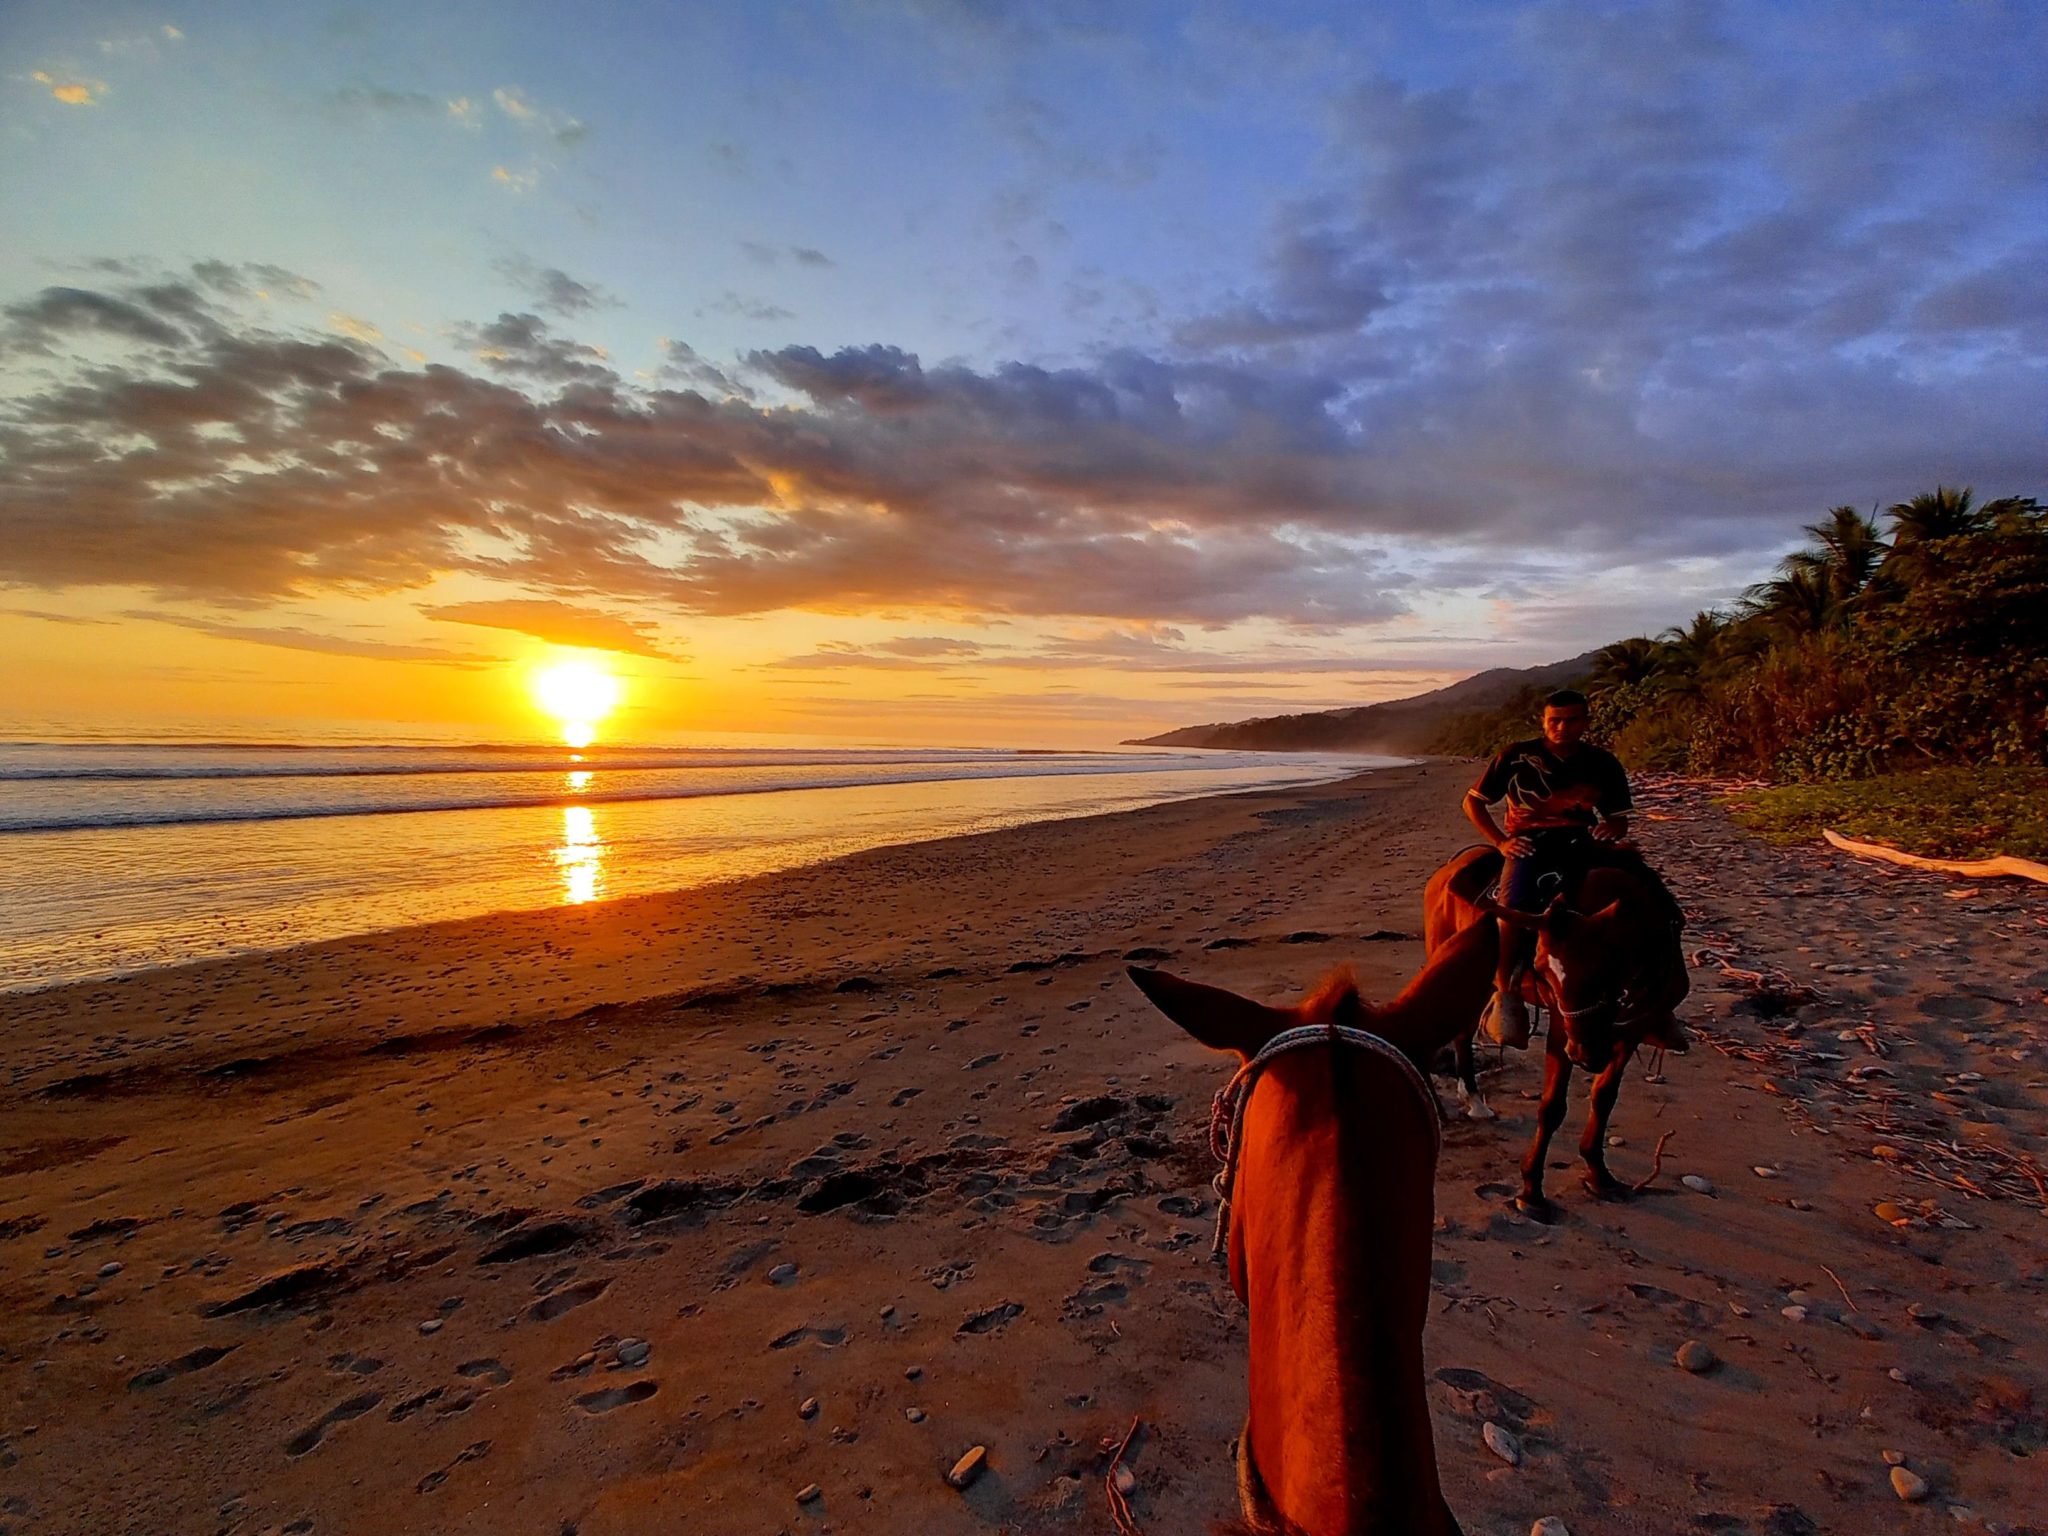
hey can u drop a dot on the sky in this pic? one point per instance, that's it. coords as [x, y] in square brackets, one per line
[966, 371]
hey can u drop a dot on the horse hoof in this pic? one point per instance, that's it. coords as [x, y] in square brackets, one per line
[1479, 1109]
[1608, 1188]
[1536, 1208]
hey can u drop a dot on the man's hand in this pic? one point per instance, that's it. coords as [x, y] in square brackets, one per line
[1516, 847]
[1612, 830]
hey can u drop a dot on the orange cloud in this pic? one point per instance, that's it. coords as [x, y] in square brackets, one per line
[80, 92]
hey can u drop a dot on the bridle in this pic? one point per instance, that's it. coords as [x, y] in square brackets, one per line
[1629, 1008]
[1226, 1113]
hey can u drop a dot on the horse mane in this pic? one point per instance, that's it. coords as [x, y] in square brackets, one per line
[1335, 1000]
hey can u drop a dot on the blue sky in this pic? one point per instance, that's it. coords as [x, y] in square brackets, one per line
[1338, 348]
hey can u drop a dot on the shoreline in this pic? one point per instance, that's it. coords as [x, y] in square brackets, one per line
[662, 844]
[529, 936]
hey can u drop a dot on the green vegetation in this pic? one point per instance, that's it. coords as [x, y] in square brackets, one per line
[1873, 651]
[1949, 813]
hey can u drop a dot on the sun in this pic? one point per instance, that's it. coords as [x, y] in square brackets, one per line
[579, 694]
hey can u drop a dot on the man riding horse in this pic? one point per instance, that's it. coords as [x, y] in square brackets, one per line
[1568, 804]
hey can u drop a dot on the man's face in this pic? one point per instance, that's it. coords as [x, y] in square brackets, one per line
[1563, 725]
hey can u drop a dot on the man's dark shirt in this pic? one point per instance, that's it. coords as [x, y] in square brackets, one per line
[1544, 790]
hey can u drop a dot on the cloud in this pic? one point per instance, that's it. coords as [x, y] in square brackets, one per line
[563, 129]
[294, 638]
[350, 326]
[559, 623]
[523, 345]
[72, 90]
[515, 181]
[174, 442]
[681, 362]
[252, 277]
[554, 290]
[467, 113]
[33, 324]
[764, 255]
[730, 303]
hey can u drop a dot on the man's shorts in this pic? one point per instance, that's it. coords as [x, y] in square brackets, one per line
[1529, 884]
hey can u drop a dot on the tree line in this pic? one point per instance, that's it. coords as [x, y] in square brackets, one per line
[1910, 638]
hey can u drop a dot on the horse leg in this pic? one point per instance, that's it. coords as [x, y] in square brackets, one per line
[1557, 1077]
[1593, 1144]
[1470, 1099]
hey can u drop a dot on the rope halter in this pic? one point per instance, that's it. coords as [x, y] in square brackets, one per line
[1226, 1114]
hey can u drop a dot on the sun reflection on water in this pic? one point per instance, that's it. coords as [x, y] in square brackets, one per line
[581, 855]
[579, 781]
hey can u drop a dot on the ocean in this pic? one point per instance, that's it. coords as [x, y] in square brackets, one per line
[117, 858]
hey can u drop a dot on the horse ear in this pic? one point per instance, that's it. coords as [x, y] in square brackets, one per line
[1221, 1020]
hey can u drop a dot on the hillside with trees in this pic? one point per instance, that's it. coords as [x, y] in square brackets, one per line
[1878, 647]
[1891, 677]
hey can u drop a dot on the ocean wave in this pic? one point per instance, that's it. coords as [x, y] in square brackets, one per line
[103, 815]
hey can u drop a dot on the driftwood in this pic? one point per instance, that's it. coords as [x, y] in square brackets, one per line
[1976, 869]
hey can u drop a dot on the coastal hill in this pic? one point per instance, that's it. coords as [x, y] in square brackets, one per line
[1398, 726]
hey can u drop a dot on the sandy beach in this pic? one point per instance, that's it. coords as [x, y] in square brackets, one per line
[654, 1215]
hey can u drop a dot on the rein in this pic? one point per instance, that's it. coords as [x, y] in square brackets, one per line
[1226, 1113]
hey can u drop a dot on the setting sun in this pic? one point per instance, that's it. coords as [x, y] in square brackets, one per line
[579, 695]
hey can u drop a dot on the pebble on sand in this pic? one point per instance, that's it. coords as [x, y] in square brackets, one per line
[634, 1351]
[1502, 1443]
[1793, 1314]
[807, 1409]
[1893, 1458]
[915, 1415]
[1549, 1525]
[968, 1467]
[431, 1325]
[1697, 1184]
[782, 1274]
[1696, 1356]
[1908, 1484]
[1763, 1172]
[809, 1492]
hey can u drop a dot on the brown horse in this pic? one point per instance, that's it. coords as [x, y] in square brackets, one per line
[1330, 1217]
[1608, 971]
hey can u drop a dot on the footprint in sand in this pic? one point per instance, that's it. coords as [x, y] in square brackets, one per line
[904, 1096]
[309, 1437]
[829, 1337]
[184, 1365]
[567, 1299]
[992, 1318]
[486, 1370]
[436, 1478]
[617, 1397]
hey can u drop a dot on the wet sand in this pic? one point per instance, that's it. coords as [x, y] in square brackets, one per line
[369, 1236]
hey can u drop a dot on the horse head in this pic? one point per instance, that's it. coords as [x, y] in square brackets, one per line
[1331, 1208]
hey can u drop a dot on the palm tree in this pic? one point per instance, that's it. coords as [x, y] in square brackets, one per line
[2014, 514]
[1797, 600]
[1627, 661]
[1690, 650]
[1923, 523]
[1849, 552]
[1941, 513]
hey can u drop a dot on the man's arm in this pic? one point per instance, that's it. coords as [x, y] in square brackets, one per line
[1478, 812]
